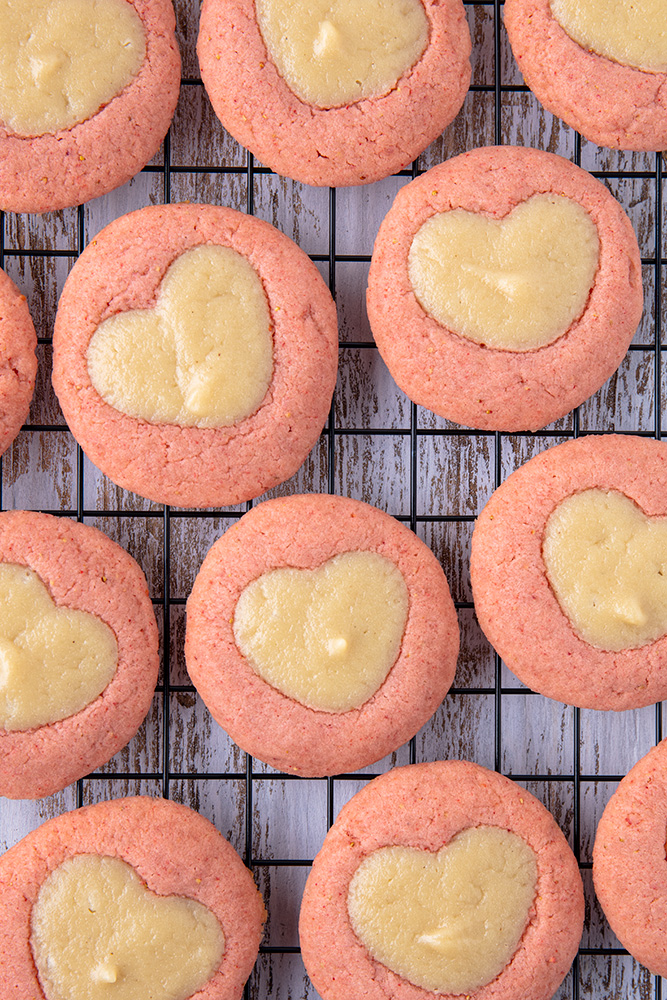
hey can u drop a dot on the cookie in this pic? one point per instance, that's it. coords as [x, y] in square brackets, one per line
[87, 93]
[436, 832]
[601, 68]
[332, 95]
[567, 570]
[78, 649]
[157, 903]
[629, 860]
[195, 354]
[515, 330]
[321, 634]
[18, 364]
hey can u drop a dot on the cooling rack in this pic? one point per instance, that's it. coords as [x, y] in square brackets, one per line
[377, 446]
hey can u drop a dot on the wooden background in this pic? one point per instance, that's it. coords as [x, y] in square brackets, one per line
[377, 447]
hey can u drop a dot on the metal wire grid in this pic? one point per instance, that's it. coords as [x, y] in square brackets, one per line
[562, 777]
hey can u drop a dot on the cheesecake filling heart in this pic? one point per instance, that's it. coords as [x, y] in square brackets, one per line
[98, 933]
[326, 637]
[62, 60]
[449, 921]
[606, 562]
[335, 52]
[630, 32]
[512, 284]
[53, 661]
[202, 357]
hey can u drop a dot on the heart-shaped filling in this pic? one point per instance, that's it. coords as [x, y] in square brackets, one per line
[98, 933]
[606, 562]
[326, 637]
[448, 921]
[203, 356]
[62, 60]
[513, 284]
[630, 32]
[334, 52]
[53, 661]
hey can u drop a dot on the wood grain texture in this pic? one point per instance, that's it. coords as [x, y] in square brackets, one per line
[408, 462]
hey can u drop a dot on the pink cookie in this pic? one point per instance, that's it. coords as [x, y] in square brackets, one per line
[174, 851]
[468, 382]
[18, 364]
[423, 807]
[629, 867]
[304, 532]
[39, 173]
[609, 103]
[85, 571]
[121, 270]
[514, 601]
[352, 144]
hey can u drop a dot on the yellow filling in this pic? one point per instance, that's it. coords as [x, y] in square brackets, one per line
[630, 32]
[202, 357]
[98, 933]
[514, 284]
[449, 921]
[334, 52]
[62, 60]
[607, 565]
[53, 661]
[326, 637]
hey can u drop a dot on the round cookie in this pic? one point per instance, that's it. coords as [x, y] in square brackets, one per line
[610, 103]
[123, 270]
[83, 571]
[18, 364]
[629, 860]
[464, 379]
[515, 601]
[175, 853]
[336, 143]
[423, 807]
[62, 166]
[309, 533]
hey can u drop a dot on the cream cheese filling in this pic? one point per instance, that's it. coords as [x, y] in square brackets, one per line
[202, 357]
[513, 284]
[449, 921]
[62, 60]
[630, 32]
[98, 933]
[326, 637]
[53, 661]
[606, 562]
[335, 52]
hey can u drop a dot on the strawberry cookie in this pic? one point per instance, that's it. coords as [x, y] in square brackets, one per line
[78, 652]
[195, 354]
[335, 93]
[442, 880]
[600, 67]
[568, 571]
[321, 634]
[130, 898]
[505, 288]
[87, 92]
[629, 867]
[18, 364]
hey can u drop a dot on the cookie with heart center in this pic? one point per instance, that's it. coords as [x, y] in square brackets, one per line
[571, 550]
[504, 289]
[18, 364]
[128, 898]
[195, 354]
[87, 92]
[78, 651]
[441, 880]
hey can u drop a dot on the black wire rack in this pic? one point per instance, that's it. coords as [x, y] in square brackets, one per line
[379, 447]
